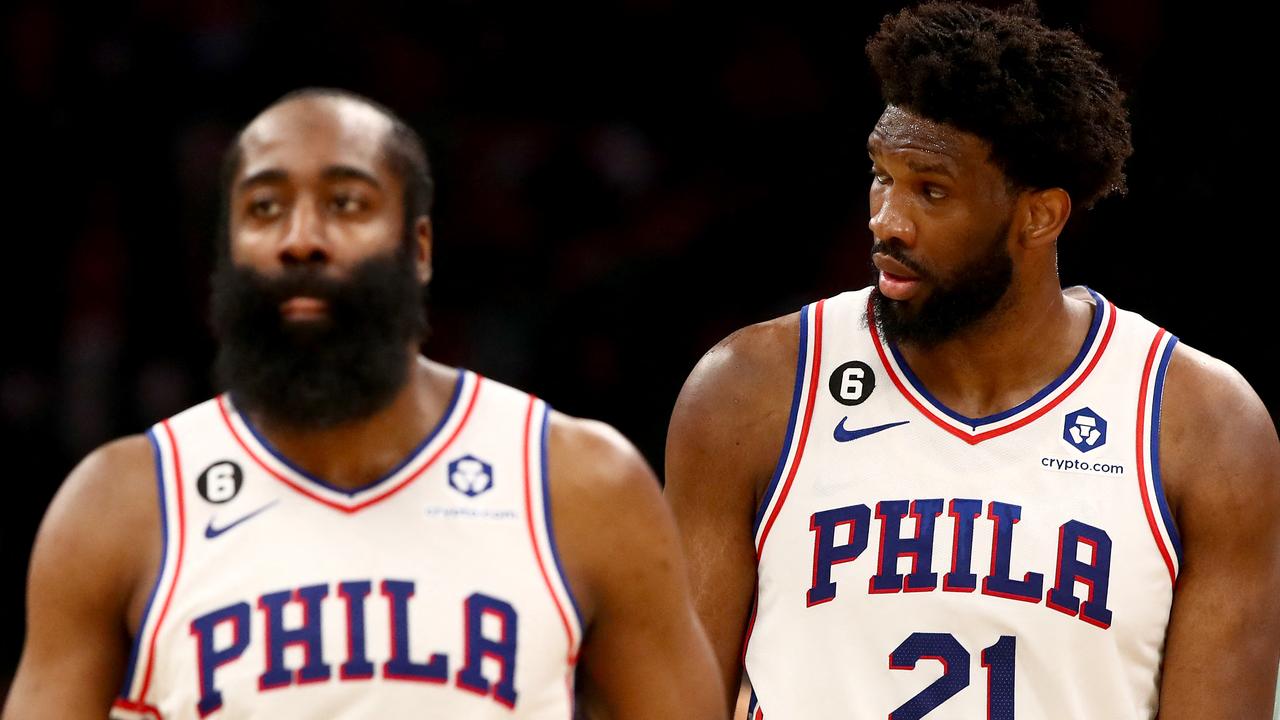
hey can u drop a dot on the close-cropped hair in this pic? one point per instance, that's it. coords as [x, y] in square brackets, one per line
[403, 148]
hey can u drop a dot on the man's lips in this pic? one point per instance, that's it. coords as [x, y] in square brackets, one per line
[897, 281]
[889, 266]
[304, 308]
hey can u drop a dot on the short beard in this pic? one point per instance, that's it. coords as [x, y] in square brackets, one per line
[319, 374]
[972, 294]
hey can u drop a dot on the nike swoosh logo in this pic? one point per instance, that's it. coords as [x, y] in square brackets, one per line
[211, 532]
[843, 434]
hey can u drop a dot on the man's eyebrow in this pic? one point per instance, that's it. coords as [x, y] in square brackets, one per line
[940, 167]
[270, 175]
[347, 172]
[333, 172]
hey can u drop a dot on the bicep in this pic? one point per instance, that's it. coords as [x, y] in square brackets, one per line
[715, 533]
[79, 585]
[1223, 641]
[73, 659]
[646, 654]
[1221, 649]
[726, 432]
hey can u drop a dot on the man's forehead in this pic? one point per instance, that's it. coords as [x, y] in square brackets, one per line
[900, 129]
[321, 130]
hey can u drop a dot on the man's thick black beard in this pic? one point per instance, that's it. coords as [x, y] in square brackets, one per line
[318, 374]
[976, 291]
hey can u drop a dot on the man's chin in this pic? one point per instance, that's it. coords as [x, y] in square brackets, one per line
[900, 311]
[307, 331]
[904, 322]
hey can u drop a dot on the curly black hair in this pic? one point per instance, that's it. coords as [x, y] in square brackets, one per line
[1053, 115]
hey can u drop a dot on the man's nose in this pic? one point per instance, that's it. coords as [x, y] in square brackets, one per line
[305, 241]
[890, 219]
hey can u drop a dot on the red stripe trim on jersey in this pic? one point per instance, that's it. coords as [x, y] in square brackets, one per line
[226, 418]
[177, 569]
[979, 437]
[136, 707]
[1142, 470]
[795, 463]
[751, 624]
[804, 428]
[533, 535]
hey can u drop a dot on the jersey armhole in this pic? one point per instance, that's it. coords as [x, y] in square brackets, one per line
[541, 525]
[123, 709]
[808, 363]
[754, 711]
[137, 679]
[796, 394]
[1155, 504]
[127, 688]
[808, 358]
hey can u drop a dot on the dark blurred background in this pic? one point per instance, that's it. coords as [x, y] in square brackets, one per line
[621, 184]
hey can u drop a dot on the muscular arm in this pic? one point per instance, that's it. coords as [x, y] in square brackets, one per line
[1221, 470]
[725, 436]
[84, 570]
[644, 654]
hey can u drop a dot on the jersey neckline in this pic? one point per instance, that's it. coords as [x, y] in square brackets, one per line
[465, 389]
[975, 430]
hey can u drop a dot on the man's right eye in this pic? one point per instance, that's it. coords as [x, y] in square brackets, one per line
[264, 208]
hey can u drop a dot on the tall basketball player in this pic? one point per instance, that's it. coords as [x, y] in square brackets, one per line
[966, 492]
[354, 530]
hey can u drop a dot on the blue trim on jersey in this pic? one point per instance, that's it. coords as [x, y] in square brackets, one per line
[164, 555]
[975, 423]
[546, 513]
[791, 421]
[448, 412]
[1155, 450]
[751, 706]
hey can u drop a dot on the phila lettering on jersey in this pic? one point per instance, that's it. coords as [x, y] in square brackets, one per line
[917, 563]
[434, 592]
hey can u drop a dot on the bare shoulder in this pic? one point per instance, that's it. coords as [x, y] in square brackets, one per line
[726, 433]
[104, 519]
[111, 475]
[598, 480]
[97, 548]
[593, 459]
[1220, 468]
[733, 409]
[757, 357]
[605, 501]
[644, 654]
[1216, 436]
[116, 477]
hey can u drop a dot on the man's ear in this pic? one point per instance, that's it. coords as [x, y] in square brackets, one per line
[422, 248]
[1044, 214]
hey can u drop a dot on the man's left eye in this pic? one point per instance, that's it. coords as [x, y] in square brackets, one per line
[347, 203]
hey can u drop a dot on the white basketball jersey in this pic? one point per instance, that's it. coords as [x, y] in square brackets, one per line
[916, 563]
[435, 592]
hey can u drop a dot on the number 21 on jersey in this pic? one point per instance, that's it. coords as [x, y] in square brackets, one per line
[943, 647]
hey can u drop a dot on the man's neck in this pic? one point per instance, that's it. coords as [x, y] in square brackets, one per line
[1007, 357]
[355, 454]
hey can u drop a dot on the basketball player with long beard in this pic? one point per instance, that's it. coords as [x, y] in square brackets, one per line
[354, 530]
[966, 492]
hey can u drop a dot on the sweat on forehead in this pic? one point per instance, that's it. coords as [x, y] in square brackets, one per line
[900, 128]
